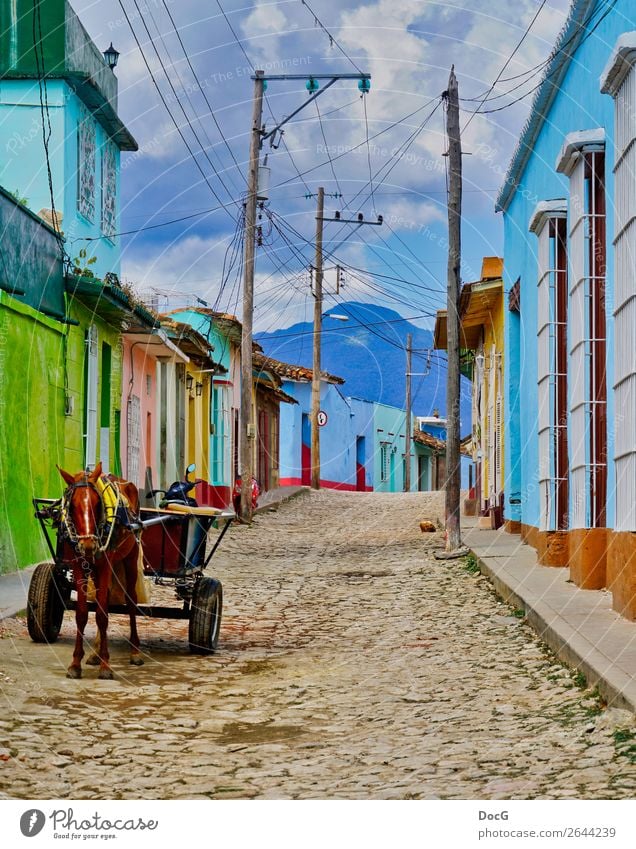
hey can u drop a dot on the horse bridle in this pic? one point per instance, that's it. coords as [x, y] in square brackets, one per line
[104, 528]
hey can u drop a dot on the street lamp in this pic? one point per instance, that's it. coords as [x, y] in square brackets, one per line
[335, 315]
[111, 57]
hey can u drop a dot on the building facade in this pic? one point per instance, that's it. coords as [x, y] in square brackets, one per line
[481, 311]
[567, 203]
[60, 128]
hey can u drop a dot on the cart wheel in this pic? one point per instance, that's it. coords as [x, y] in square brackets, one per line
[205, 616]
[46, 603]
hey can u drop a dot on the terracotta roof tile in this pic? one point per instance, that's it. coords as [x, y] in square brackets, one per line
[287, 371]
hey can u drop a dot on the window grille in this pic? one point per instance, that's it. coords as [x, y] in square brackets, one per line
[552, 371]
[587, 359]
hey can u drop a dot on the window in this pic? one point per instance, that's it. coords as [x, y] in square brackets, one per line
[619, 80]
[583, 160]
[384, 461]
[86, 164]
[549, 224]
[109, 191]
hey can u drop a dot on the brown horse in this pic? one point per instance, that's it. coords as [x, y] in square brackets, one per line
[99, 543]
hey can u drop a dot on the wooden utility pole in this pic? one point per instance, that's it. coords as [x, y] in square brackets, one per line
[248, 426]
[315, 382]
[407, 469]
[453, 480]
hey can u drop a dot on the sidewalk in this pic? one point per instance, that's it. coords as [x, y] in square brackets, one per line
[578, 625]
[14, 586]
[13, 592]
[272, 499]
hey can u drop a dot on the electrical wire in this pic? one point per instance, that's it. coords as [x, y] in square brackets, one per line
[332, 39]
[167, 108]
[508, 61]
[324, 138]
[366, 130]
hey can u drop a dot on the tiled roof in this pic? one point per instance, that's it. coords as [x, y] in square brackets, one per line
[429, 441]
[291, 372]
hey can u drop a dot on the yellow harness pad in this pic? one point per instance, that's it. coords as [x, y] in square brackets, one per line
[112, 497]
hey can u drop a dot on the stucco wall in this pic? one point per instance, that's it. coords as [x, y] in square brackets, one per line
[578, 106]
[32, 427]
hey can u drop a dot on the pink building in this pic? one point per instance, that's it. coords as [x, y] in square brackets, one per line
[149, 431]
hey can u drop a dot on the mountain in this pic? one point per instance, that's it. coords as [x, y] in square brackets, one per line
[368, 351]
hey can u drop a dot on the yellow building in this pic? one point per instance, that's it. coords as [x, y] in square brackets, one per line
[481, 311]
[194, 414]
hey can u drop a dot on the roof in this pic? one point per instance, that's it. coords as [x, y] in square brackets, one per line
[300, 374]
[226, 321]
[268, 378]
[558, 62]
[477, 302]
[423, 438]
[110, 301]
[191, 342]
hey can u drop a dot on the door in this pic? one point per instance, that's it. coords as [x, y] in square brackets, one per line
[104, 414]
[90, 398]
[134, 439]
[263, 450]
[235, 443]
[360, 464]
[421, 473]
[392, 471]
[305, 451]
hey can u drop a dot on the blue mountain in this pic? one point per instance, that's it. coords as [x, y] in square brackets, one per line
[369, 352]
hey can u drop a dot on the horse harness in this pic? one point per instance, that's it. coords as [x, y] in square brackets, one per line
[115, 508]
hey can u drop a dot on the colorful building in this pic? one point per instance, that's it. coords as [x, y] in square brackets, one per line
[481, 313]
[60, 372]
[568, 207]
[59, 128]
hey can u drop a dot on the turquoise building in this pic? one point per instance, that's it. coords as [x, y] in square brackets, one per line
[569, 207]
[60, 134]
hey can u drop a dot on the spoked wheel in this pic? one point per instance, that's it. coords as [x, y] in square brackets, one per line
[48, 596]
[205, 616]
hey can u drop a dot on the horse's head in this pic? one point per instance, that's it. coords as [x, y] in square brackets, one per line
[83, 508]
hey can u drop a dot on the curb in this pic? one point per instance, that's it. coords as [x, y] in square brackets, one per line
[275, 504]
[562, 643]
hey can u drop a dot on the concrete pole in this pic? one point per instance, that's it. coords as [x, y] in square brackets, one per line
[453, 480]
[407, 471]
[315, 383]
[248, 426]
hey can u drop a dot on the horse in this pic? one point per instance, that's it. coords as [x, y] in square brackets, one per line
[98, 531]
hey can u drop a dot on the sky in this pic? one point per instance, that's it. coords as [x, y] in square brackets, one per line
[202, 54]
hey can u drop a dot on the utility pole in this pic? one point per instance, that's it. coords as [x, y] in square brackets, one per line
[453, 532]
[315, 382]
[407, 470]
[248, 427]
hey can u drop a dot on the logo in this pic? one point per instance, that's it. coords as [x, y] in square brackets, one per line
[32, 822]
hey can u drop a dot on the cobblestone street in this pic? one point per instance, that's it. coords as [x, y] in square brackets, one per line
[351, 665]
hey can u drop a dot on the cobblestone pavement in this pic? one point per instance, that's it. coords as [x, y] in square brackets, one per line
[351, 665]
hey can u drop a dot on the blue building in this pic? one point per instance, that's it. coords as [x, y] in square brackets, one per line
[346, 437]
[362, 443]
[60, 133]
[569, 206]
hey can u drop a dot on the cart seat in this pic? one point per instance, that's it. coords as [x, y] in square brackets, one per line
[193, 511]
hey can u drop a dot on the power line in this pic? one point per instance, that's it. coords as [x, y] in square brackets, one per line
[508, 61]
[174, 121]
[202, 90]
[332, 38]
